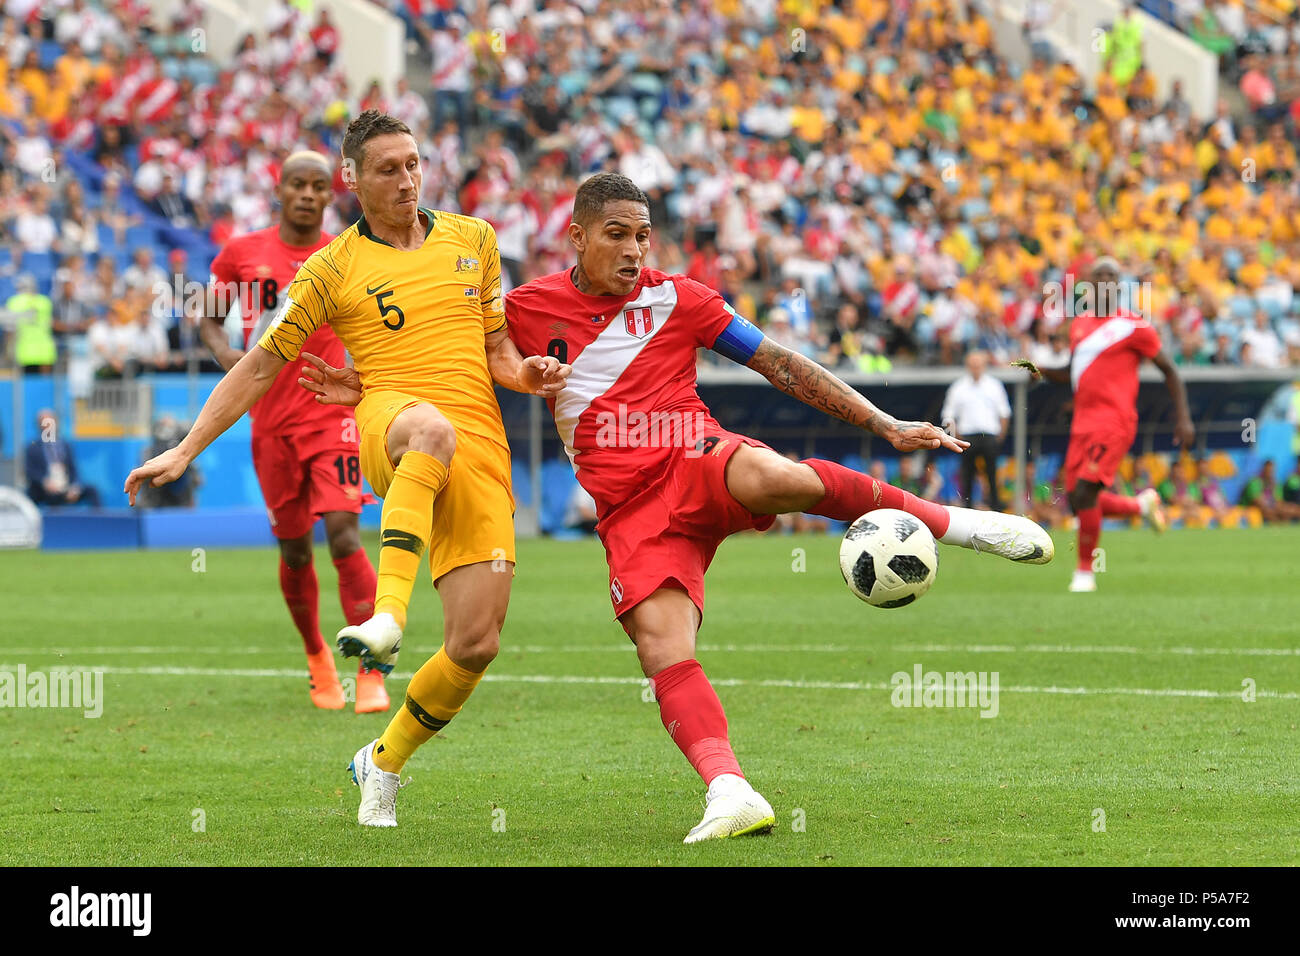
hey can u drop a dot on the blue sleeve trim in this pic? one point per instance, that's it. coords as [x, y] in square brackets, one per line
[739, 340]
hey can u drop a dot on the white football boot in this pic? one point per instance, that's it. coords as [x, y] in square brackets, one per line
[1083, 581]
[1008, 536]
[1153, 512]
[377, 641]
[378, 789]
[734, 809]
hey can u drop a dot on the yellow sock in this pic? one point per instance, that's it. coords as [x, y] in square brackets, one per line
[435, 695]
[406, 520]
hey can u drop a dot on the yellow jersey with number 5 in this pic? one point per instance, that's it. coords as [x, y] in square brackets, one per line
[414, 321]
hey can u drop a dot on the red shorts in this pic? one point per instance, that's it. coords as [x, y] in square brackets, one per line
[305, 475]
[1095, 456]
[667, 535]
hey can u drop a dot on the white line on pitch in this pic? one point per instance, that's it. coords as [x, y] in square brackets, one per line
[622, 647]
[720, 682]
[1094, 649]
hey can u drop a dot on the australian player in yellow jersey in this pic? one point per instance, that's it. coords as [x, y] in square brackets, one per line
[415, 296]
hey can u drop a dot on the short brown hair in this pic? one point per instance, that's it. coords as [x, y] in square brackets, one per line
[589, 202]
[366, 127]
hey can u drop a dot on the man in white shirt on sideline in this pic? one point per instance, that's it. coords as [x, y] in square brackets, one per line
[976, 410]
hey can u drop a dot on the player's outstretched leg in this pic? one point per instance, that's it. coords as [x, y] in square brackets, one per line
[474, 601]
[1148, 505]
[357, 597]
[301, 595]
[422, 442]
[1084, 499]
[663, 627]
[846, 495]
[1145, 504]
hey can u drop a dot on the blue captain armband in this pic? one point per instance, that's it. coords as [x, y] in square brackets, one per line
[739, 340]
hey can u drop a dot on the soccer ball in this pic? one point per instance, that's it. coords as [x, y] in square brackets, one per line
[888, 558]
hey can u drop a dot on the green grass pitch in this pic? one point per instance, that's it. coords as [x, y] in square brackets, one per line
[1122, 709]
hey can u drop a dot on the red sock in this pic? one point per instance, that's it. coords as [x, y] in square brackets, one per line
[693, 717]
[1089, 535]
[302, 596]
[850, 494]
[1113, 504]
[356, 586]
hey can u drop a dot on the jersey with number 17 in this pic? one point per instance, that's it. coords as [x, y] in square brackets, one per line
[263, 265]
[1105, 353]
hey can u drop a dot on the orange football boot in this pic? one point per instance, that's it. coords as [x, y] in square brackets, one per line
[371, 696]
[326, 691]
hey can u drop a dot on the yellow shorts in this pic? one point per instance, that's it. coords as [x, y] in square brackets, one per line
[473, 515]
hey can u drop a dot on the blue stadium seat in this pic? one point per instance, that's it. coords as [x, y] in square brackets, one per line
[141, 236]
[7, 289]
[1272, 306]
[1242, 306]
[41, 266]
[6, 257]
[558, 482]
[521, 483]
[50, 51]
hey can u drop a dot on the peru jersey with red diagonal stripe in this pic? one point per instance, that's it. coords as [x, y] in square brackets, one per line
[1104, 359]
[263, 266]
[631, 398]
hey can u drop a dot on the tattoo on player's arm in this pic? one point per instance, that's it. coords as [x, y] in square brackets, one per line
[804, 379]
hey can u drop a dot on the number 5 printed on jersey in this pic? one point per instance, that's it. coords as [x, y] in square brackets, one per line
[386, 309]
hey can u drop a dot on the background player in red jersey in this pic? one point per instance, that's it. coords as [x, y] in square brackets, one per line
[670, 483]
[1105, 352]
[306, 455]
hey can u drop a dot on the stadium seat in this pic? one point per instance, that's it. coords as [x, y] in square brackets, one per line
[141, 236]
[1273, 306]
[521, 484]
[50, 51]
[645, 84]
[1241, 306]
[558, 482]
[40, 266]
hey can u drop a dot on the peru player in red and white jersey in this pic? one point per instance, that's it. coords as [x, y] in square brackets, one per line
[307, 456]
[1105, 352]
[669, 482]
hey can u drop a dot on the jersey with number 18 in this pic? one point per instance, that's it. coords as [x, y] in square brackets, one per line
[260, 265]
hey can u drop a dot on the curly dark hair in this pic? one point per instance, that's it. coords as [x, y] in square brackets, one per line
[604, 188]
[366, 127]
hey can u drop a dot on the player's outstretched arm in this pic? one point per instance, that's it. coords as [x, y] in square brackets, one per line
[235, 394]
[541, 375]
[1059, 375]
[813, 385]
[1184, 431]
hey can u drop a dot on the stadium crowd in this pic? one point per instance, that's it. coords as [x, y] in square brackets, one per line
[870, 181]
